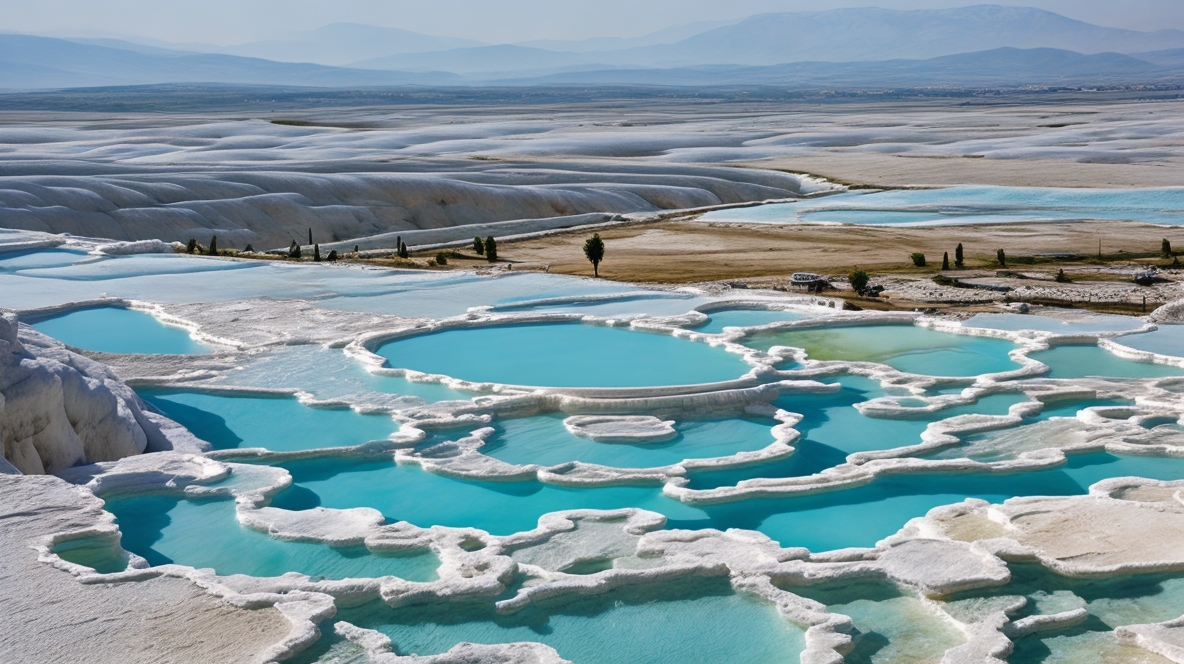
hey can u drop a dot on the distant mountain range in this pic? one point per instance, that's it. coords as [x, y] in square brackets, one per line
[983, 45]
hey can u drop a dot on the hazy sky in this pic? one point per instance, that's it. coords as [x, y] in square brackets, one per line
[235, 21]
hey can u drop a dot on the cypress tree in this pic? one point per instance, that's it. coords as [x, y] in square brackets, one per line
[945, 261]
[958, 263]
[403, 253]
[478, 246]
[1002, 258]
[191, 247]
[310, 236]
[213, 246]
[1166, 248]
[316, 253]
[594, 250]
[490, 249]
[294, 250]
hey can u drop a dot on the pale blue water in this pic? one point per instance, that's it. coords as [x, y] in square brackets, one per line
[24, 260]
[1082, 361]
[1167, 340]
[202, 534]
[280, 424]
[970, 205]
[117, 330]
[690, 620]
[903, 347]
[1086, 324]
[564, 355]
[327, 373]
[545, 441]
[745, 318]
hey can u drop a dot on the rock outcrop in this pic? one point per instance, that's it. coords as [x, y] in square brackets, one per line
[59, 409]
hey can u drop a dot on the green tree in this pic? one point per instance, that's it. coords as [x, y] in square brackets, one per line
[332, 257]
[1166, 248]
[918, 259]
[403, 253]
[294, 250]
[213, 246]
[594, 250]
[1062, 278]
[478, 246]
[1002, 257]
[958, 262]
[191, 247]
[491, 249]
[316, 253]
[858, 280]
[442, 258]
[945, 261]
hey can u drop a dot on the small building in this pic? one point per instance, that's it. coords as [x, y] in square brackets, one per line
[808, 280]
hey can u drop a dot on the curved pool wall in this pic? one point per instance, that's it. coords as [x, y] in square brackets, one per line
[544, 440]
[119, 330]
[564, 355]
[969, 205]
[847, 489]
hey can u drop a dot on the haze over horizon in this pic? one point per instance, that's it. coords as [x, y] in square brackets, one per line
[227, 22]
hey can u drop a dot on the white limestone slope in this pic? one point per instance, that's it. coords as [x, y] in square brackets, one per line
[59, 409]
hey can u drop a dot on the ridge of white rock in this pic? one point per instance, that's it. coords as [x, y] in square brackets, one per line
[59, 409]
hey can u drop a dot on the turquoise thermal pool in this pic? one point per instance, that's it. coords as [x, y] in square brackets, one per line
[855, 517]
[1083, 361]
[702, 620]
[276, 423]
[564, 355]
[205, 533]
[904, 347]
[118, 330]
[969, 205]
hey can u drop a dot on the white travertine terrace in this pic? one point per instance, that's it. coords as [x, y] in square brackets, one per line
[1124, 527]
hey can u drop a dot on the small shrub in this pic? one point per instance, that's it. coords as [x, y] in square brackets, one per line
[332, 258]
[249, 249]
[294, 250]
[479, 246]
[1166, 248]
[918, 259]
[1061, 278]
[191, 247]
[943, 280]
[858, 280]
[442, 258]
[1002, 258]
